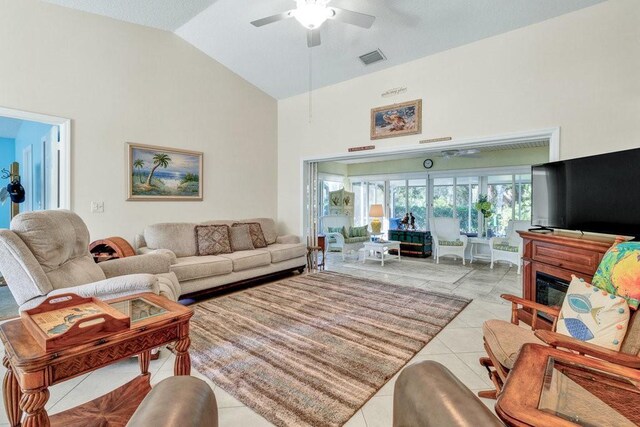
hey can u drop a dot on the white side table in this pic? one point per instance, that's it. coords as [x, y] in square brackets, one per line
[477, 242]
[372, 249]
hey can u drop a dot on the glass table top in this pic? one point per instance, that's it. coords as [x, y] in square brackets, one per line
[588, 396]
[138, 309]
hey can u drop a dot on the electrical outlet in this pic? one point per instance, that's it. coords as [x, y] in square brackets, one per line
[97, 207]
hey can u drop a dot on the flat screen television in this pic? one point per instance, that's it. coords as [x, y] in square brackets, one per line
[599, 194]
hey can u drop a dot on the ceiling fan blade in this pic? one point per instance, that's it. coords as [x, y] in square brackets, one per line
[313, 37]
[354, 18]
[271, 19]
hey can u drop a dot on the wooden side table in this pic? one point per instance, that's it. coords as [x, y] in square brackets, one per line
[31, 370]
[551, 387]
[110, 248]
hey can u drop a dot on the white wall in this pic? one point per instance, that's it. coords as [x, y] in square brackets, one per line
[120, 82]
[579, 71]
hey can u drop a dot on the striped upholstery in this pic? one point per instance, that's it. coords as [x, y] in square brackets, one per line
[505, 247]
[450, 243]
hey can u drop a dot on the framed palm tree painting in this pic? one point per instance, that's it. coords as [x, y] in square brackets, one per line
[161, 173]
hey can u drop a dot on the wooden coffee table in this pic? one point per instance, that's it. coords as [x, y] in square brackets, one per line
[550, 387]
[31, 370]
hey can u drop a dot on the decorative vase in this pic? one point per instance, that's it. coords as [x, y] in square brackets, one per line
[485, 226]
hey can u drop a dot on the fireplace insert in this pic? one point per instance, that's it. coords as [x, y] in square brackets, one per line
[550, 290]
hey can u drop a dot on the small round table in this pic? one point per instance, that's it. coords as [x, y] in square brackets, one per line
[479, 241]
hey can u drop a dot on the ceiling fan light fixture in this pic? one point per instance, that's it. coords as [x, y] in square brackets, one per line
[312, 13]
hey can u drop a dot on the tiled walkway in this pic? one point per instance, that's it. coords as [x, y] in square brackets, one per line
[458, 346]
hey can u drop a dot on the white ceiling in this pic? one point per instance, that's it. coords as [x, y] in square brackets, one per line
[9, 127]
[163, 14]
[275, 57]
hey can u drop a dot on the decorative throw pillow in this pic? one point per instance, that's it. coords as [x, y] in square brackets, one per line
[341, 230]
[358, 231]
[619, 272]
[593, 315]
[212, 239]
[257, 236]
[240, 238]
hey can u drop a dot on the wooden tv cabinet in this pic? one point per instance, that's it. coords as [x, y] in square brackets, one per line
[559, 254]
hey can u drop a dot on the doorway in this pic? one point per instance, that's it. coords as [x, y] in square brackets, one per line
[420, 191]
[34, 151]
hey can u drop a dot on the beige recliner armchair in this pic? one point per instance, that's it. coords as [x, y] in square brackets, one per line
[46, 253]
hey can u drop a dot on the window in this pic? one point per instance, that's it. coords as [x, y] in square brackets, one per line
[511, 198]
[467, 190]
[455, 197]
[358, 205]
[500, 194]
[398, 191]
[417, 201]
[325, 187]
[443, 197]
[366, 194]
[522, 197]
[409, 196]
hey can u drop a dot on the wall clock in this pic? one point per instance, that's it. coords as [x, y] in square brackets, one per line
[428, 164]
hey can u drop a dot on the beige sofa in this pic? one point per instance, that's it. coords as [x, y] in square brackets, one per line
[198, 274]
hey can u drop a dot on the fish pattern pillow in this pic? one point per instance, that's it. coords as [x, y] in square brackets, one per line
[619, 272]
[593, 315]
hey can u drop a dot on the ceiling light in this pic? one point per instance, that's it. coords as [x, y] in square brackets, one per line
[312, 13]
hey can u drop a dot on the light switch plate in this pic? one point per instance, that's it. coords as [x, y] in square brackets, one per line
[97, 207]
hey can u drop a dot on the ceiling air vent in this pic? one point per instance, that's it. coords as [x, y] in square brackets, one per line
[371, 57]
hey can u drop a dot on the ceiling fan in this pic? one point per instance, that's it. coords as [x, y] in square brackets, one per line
[313, 13]
[471, 152]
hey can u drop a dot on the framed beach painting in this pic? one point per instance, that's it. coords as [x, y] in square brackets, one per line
[396, 120]
[161, 173]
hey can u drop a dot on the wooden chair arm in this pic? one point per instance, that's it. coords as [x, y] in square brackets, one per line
[515, 301]
[556, 340]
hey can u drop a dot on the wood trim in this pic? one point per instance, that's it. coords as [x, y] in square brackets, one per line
[518, 402]
[559, 254]
[600, 243]
[241, 284]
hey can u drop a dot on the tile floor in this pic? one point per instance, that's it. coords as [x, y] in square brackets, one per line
[458, 346]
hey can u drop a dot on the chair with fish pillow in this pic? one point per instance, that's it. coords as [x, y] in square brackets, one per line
[591, 321]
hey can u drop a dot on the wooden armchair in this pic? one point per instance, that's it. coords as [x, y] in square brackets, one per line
[503, 340]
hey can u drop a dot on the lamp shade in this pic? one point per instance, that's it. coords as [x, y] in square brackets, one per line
[376, 211]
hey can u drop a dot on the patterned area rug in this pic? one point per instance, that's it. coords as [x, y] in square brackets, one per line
[311, 350]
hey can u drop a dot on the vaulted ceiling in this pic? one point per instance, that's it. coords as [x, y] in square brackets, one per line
[276, 59]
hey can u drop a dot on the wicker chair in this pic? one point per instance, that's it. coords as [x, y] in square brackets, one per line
[509, 248]
[447, 239]
[503, 340]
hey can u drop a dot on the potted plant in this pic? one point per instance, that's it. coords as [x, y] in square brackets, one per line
[484, 206]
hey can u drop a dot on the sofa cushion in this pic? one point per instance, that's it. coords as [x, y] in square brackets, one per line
[450, 243]
[342, 230]
[244, 260]
[356, 239]
[505, 247]
[359, 231]
[212, 239]
[240, 238]
[506, 339]
[257, 236]
[178, 237]
[219, 222]
[286, 251]
[197, 267]
[268, 226]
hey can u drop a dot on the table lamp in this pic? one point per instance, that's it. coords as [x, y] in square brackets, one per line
[376, 212]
